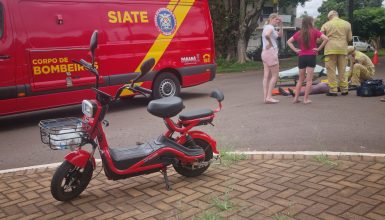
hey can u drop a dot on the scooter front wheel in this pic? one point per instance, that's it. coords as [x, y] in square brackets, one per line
[69, 181]
[187, 170]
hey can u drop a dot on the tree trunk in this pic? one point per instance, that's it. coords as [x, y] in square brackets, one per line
[245, 18]
[241, 51]
[241, 45]
[376, 41]
[229, 54]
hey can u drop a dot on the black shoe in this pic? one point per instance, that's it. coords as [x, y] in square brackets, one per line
[282, 91]
[291, 92]
[352, 87]
[344, 93]
[331, 94]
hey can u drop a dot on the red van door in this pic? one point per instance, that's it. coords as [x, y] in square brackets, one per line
[58, 32]
[7, 59]
[8, 88]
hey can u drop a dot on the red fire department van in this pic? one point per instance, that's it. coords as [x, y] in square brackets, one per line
[40, 38]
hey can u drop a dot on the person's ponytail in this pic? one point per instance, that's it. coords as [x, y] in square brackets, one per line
[307, 26]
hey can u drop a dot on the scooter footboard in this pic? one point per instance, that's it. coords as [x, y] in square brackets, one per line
[79, 158]
[206, 137]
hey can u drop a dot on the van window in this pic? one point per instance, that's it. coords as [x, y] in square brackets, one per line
[1, 21]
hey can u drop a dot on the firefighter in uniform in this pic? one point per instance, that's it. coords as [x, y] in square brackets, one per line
[361, 67]
[339, 33]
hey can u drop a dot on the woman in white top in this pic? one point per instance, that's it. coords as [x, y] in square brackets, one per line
[270, 56]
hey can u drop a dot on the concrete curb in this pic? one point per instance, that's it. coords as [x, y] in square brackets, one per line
[300, 155]
[263, 155]
[43, 166]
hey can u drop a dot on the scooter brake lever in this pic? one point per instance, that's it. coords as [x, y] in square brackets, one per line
[105, 123]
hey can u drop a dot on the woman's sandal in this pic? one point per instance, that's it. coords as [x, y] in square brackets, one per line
[271, 101]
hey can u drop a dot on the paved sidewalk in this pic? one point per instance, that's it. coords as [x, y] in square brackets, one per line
[259, 188]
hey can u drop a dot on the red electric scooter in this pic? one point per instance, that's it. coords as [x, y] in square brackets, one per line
[190, 152]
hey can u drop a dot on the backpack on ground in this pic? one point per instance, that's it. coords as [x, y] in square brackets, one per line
[368, 88]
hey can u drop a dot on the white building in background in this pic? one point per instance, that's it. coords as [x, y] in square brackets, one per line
[288, 16]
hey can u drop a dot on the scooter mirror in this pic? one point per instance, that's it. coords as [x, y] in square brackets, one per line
[218, 95]
[145, 68]
[93, 45]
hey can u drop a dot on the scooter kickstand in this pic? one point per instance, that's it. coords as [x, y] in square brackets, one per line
[164, 172]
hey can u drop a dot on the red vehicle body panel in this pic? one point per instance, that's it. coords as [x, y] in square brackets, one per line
[79, 158]
[40, 38]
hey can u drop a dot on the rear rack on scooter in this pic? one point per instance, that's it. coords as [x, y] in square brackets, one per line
[63, 133]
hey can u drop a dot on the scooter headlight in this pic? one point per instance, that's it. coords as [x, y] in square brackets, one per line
[88, 108]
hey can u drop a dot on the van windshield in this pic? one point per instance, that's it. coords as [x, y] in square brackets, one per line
[1, 21]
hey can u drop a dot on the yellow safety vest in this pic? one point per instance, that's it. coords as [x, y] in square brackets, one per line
[339, 33]
[362, 59]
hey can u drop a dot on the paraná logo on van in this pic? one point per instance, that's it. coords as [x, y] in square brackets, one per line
[190, 59]
[165, 21]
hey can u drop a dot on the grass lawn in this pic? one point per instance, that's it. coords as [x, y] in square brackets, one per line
[287, 63]
[381, 53]
[233, 66]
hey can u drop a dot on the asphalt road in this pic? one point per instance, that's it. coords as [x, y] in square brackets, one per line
[342, 124]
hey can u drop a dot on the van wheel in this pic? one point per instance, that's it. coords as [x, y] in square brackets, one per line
[166, 85]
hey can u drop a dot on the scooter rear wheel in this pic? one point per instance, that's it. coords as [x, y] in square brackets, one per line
[186, 169]
[69, 181]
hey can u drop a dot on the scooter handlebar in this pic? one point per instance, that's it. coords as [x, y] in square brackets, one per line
[139, 89]
[86, 64]
[143, 90]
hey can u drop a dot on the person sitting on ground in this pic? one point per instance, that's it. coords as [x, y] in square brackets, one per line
[320, 88]
[361, 67]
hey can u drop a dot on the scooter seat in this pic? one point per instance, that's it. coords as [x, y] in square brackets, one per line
[165, 107]
[200, 113]
[124, 157]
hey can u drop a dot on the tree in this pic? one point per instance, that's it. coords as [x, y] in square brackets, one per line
[244, 29]
[337, 5]
[372, 24]
[234, 21]
[225, 15]
[341, 6]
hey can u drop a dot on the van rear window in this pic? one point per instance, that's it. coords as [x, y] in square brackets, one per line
[1, 21]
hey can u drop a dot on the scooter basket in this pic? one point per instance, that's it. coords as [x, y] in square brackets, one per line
[62, 133]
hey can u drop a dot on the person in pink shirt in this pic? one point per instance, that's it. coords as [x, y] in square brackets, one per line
[307, 52]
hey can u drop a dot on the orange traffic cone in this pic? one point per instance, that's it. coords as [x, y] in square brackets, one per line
[375, 58]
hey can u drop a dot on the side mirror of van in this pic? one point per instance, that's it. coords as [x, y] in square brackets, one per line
[145, 68]
[93, 45]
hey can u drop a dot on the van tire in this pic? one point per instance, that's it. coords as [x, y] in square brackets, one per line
[166, 85]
